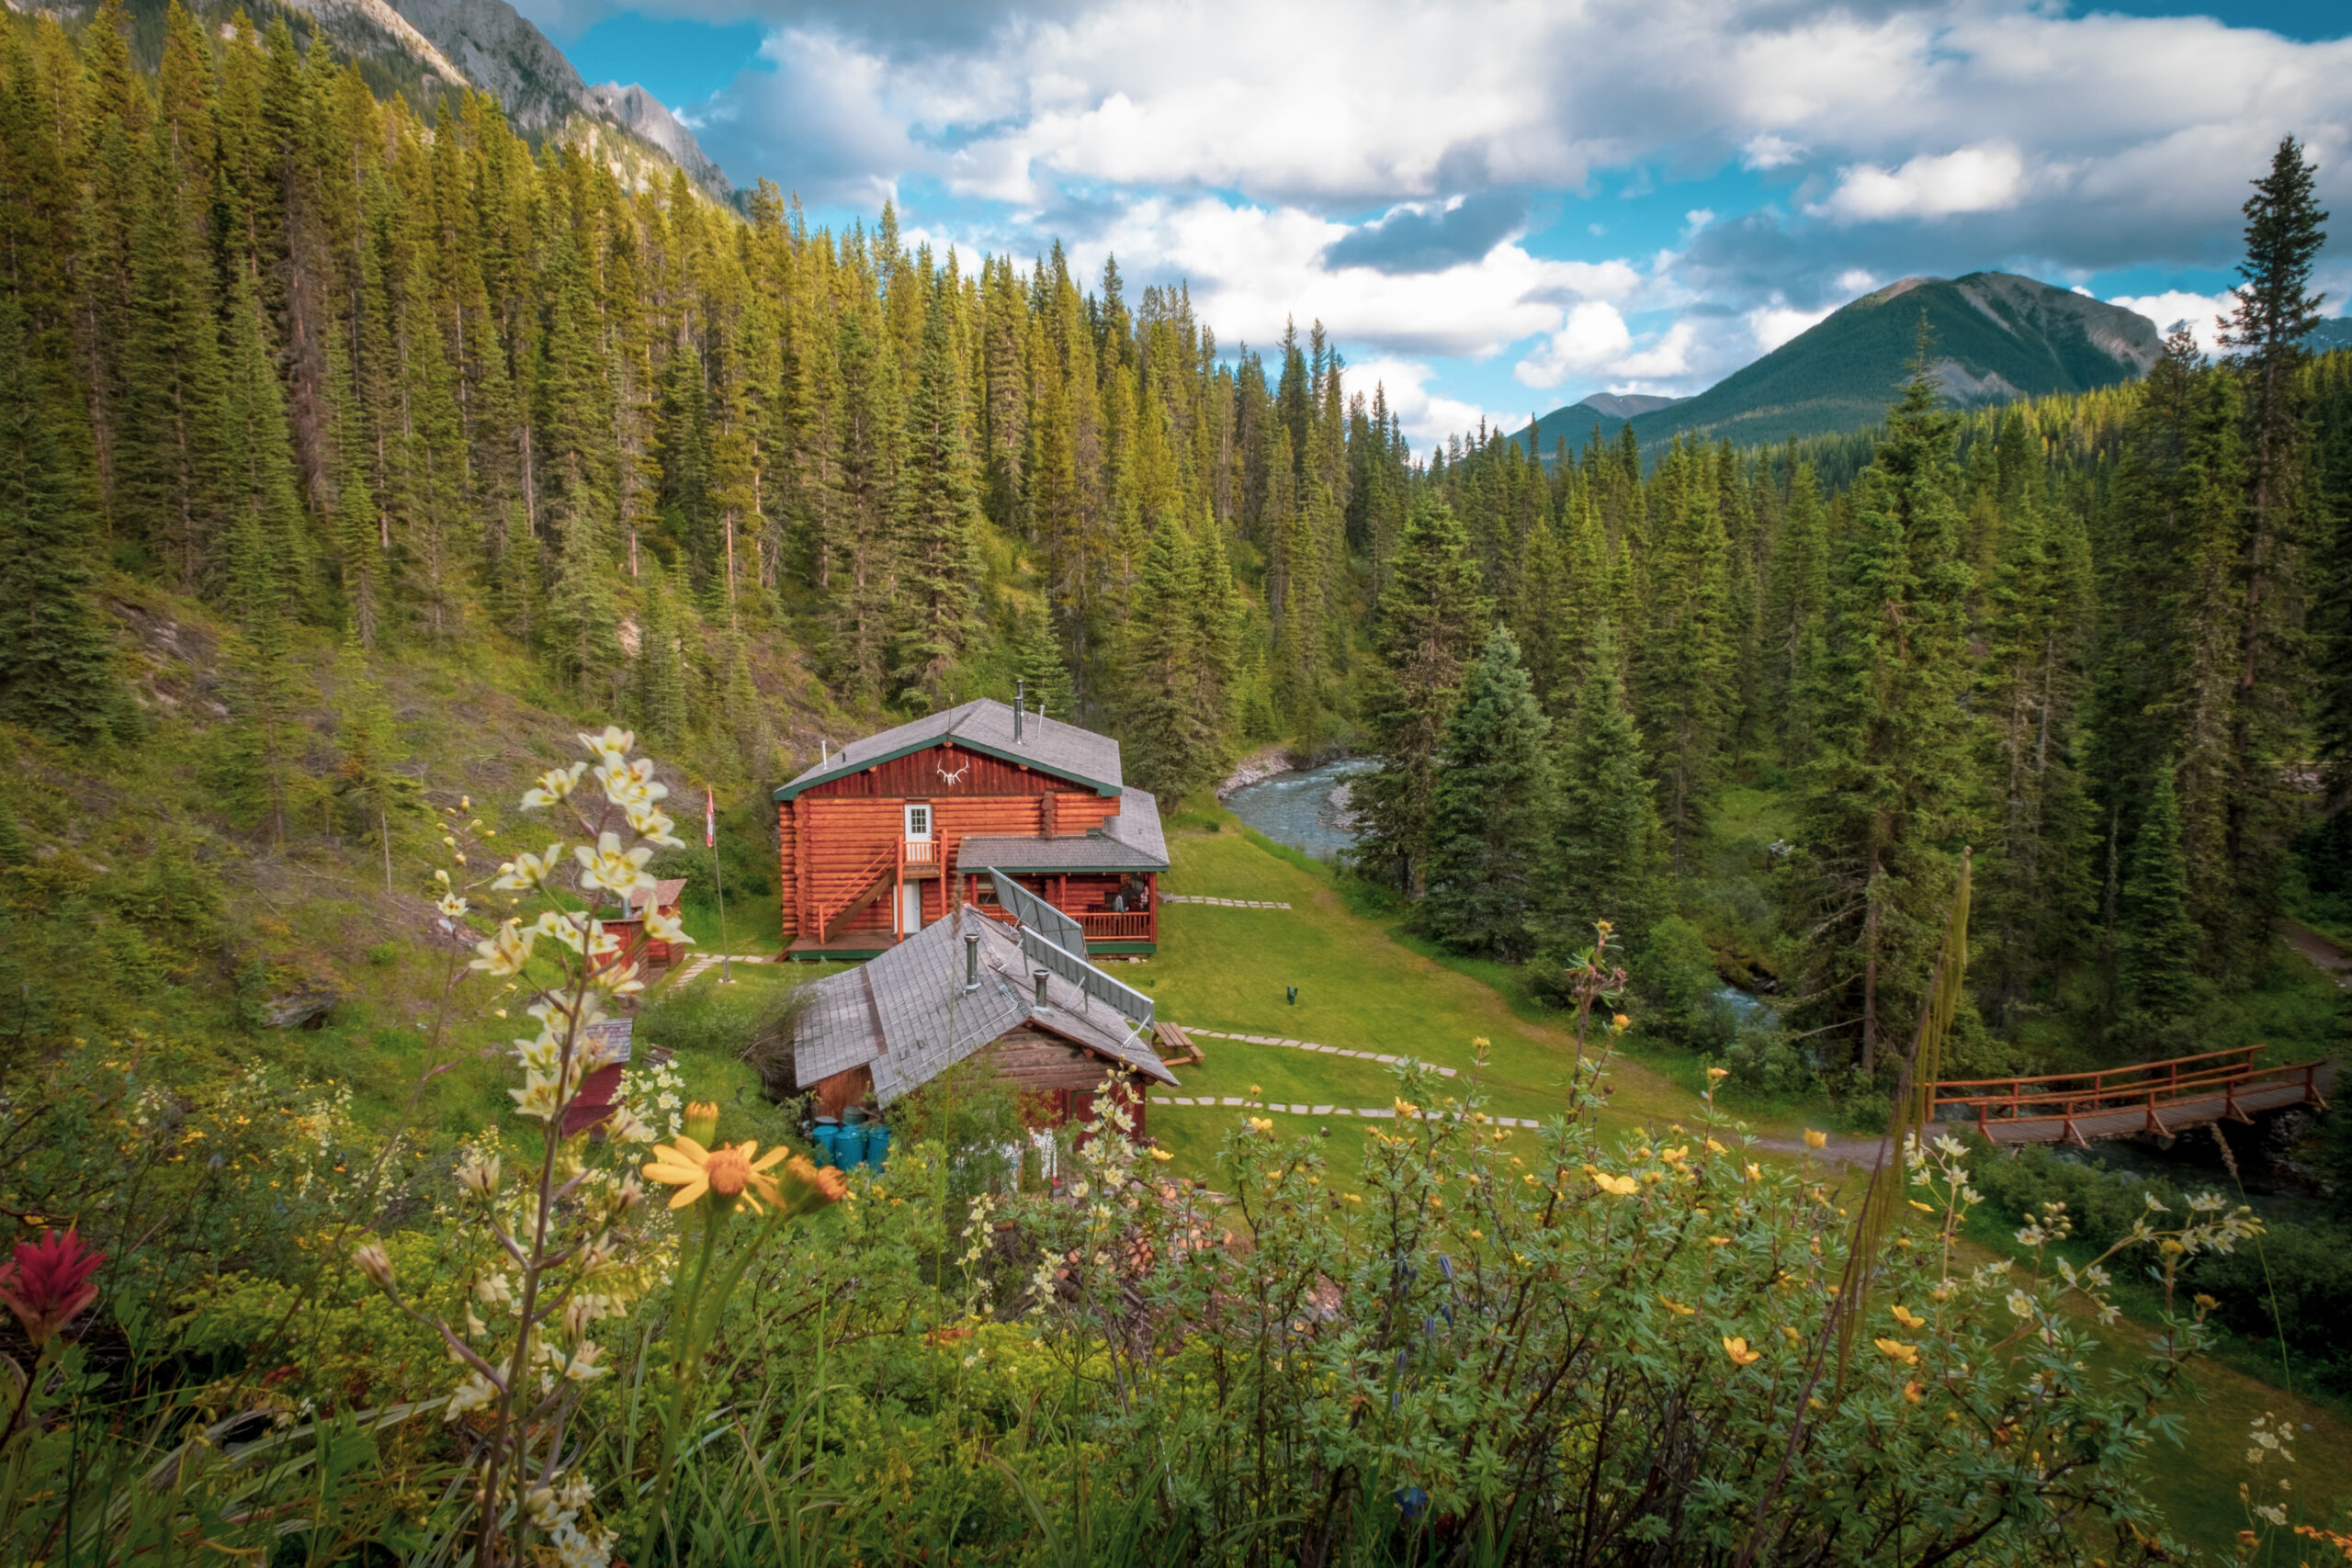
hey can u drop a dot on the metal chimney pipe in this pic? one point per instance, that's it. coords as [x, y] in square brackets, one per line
[971, 962]
[1040, 975]
[1020, 706]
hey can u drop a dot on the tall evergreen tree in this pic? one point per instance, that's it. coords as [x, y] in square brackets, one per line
[1492, 812]
[1608, 848]
[1685, 663]
[1796, 606]
[1038, 662]
[938, 518]
[1424, 640]
[56, 664]
[2156, 942]
[2285, 229]
[1883, 794]
[1168, 744]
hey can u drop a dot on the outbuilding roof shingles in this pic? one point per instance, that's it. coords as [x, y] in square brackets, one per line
[906, 1016]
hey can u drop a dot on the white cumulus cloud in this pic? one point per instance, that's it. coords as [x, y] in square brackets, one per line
[2201, 312]
[1974, 179]
[1774, 324]
[1592, 338]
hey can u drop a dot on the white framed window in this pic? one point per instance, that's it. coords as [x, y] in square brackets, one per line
[918, 822]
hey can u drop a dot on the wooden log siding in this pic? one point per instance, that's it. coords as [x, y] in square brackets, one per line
[831, 834]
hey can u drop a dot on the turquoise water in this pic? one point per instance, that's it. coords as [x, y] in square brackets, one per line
[1296, 808]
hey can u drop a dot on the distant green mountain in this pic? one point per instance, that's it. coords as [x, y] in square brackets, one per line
[1993, 338]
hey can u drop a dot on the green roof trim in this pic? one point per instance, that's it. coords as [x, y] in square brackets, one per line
[800, 787]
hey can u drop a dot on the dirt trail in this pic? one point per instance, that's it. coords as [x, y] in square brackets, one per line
[2321, 950]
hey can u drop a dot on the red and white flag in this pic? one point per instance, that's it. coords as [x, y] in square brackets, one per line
[710, 821]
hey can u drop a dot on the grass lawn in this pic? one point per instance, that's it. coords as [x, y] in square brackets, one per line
[1230, 969]
[1361, 986]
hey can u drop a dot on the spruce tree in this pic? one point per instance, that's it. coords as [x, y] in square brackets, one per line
[658, 683]
[1796, 606]
[369, 788]
[1424, 640]
[2285, 230]
[1685, 663]
[2156, 942]
[1883, 796]
[1168, 743]
[1038, 662]
[938, 519]
[1546, 635]
[1607, 845]
[1491, 813]
[56, 660]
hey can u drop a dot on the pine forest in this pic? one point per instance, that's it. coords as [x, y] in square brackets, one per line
[356, 449]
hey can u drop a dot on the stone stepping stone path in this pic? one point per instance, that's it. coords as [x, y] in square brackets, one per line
[1310, 1045]
[1386, 1113]
[1222, 903]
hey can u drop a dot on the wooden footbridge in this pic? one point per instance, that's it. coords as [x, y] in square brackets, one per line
[2160, 1099]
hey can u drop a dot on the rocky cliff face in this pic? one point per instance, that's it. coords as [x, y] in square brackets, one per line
[643, 113]
[504, 56]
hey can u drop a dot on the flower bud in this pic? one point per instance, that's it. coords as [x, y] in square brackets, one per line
[479, 1178]
[627, 1196]
[377, 1265]
[702, 1122]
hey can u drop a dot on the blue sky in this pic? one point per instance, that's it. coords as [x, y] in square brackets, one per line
[1500, 207]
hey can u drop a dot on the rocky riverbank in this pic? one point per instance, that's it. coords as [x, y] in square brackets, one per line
[1259, 765]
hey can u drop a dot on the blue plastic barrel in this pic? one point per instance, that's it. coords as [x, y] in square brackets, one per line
[826, 1135]
[850, 1144]
[877, 1143]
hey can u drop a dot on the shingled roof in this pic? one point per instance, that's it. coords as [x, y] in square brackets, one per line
[983, 725]
[906, 1016]
[1131, 841]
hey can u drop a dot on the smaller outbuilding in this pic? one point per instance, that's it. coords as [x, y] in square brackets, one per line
[664, 897]
[1046, 1023]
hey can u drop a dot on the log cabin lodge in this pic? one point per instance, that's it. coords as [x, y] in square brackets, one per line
[971, 863]
[893, 832]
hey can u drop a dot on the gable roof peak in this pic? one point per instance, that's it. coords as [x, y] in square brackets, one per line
[987, 726]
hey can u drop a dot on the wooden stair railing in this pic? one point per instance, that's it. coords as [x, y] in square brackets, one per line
[870, 881]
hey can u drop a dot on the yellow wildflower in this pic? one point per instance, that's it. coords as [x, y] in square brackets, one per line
[1813, 1140]
[1735, 1346]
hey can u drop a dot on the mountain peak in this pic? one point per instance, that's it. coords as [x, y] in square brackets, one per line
[1992, 337]
[500, 52]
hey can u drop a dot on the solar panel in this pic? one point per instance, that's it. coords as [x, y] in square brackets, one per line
[1034, 914]
[1086, 977]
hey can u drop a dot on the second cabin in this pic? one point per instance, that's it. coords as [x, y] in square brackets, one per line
[893, 832]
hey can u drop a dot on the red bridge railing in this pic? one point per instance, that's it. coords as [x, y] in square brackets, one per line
[2063, 1099]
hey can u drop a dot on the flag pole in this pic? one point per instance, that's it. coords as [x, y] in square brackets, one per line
[718, 881]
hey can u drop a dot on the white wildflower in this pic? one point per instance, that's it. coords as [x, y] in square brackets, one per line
[555, 785]
[475, 1394]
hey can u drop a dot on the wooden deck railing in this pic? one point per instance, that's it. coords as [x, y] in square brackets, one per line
[2065, 1098]
[920, 852]
[1111, 925]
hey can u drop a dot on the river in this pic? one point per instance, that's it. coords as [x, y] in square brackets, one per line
[1296, 808]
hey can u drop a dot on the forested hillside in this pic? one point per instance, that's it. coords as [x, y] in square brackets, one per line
[335, 375]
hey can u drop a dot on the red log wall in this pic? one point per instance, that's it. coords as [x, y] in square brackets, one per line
[832, 836]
